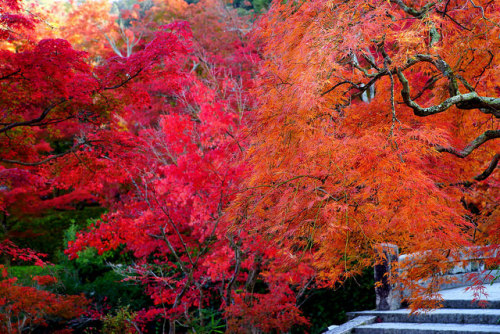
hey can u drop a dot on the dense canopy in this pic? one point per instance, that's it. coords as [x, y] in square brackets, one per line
[241, 157]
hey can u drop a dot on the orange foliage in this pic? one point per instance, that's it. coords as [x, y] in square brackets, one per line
[365, 107]
[87, 24]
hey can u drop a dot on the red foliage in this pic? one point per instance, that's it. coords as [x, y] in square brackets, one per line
[9, 249]
[237, 212]
[24, 307]
[172, 165]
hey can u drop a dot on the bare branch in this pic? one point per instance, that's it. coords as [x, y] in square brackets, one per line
[466, 83]
[444, 13]
[369, 58]
[482, 13]
[237, 256]
[10, 75]
[484, 68]
[129, 77]
[52, 157]
[33, 122]
[443, 67]
[489, 170]
[393, 107]
[337, 85]
[480, 140]
[428, 85]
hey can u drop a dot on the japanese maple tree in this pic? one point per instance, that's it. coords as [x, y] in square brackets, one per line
[56, 113]
[53, 105]
[377, 122]
[173, 164]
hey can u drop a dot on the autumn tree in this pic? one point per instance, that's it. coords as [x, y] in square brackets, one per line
[377, 122]
[53, 105]
[56, 109]
[87, 25]
[173, 163]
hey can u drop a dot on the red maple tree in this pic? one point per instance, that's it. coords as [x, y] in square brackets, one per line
[173, 163]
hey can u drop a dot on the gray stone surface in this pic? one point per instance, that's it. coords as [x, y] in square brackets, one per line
[463, 298]
[425, 328]
[350, 325]
[451, 303]
[462, 280]
[387, 296]
[462, 316]
[459, 316]
[492, 292]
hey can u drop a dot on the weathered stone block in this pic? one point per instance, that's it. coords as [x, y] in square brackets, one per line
[388, 297]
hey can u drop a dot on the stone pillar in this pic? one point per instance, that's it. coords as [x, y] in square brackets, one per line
[388, 297]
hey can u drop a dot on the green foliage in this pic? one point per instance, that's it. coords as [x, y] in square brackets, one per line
[92, 274]
[260, 6]
[210, 322]
[246, 7]
[25, 274]
[119, 323]
[45, 234]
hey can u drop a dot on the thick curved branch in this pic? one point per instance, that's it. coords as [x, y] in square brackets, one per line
[490, 169]
[480, 140]
[471, 100]
[381, 72]
[412, 11]
[489, 105]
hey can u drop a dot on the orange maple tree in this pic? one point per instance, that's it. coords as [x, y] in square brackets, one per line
[377, 123]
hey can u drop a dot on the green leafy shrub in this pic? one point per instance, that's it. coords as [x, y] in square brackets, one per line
[25, 274]
[121, 322]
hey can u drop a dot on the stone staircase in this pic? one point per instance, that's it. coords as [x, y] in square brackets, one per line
[459, 316]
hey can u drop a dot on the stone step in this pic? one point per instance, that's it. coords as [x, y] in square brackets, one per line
[468, 304]
[463, 297]
[425, 328]
[459, 316]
